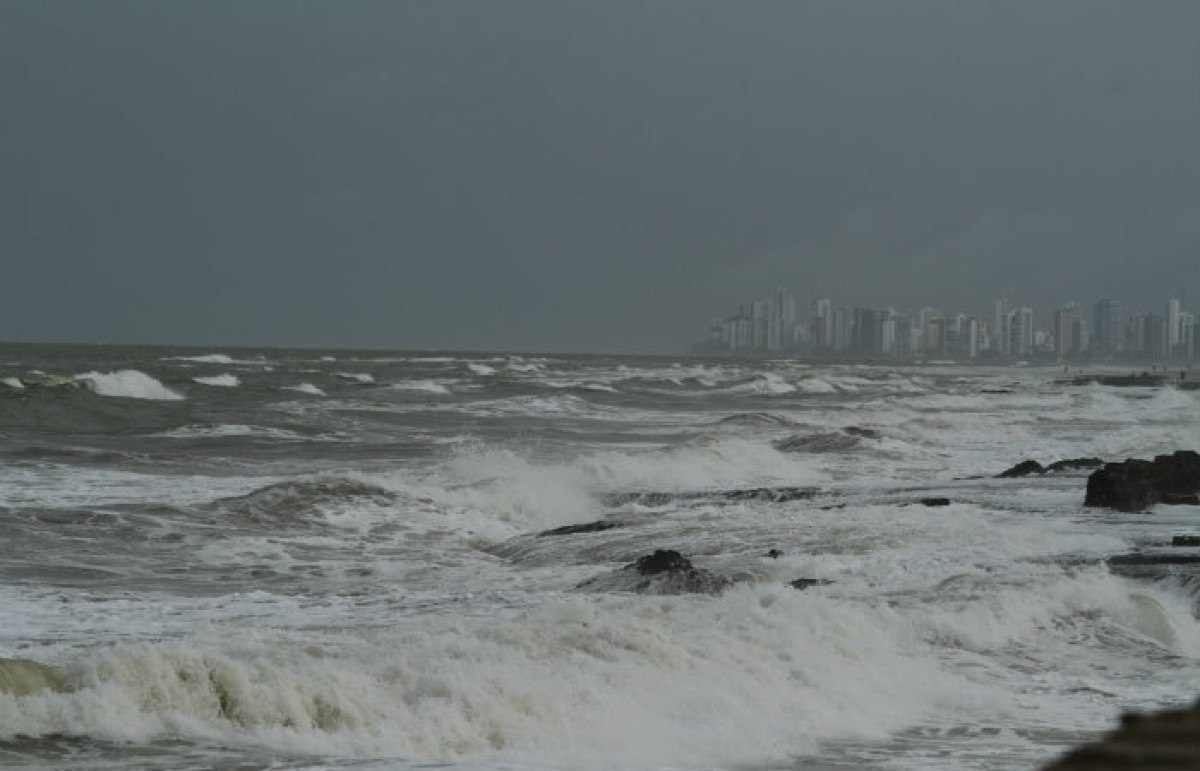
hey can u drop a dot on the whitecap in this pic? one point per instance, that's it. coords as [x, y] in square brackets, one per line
[127, 383]
[305, 388]
[224, 381]
[428, 386]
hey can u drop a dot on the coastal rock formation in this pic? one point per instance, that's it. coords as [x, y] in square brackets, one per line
[1031, 467]
[1166, 740]
[1136, 485]
[804, 583]
[665, 571]
[1022, 469]
[587, 527]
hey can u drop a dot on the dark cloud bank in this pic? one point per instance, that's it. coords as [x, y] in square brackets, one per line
[581, 176]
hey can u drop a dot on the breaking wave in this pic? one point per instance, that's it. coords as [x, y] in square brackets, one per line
[225, 381]
[128, 383]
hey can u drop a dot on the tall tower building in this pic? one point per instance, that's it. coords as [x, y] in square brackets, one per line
[822, 324]
[1173, 326]
[1001, 331]
[1106, 327]
[1020, 328]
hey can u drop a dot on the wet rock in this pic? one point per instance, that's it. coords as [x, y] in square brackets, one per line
[665, 571]
[935, 501]
[1186, 540]
[804, 583]
[1167, 740]
[776, 554]
[1172, 499]
[1022, 469]
[1074, 464]
[1136, 485]
[771, 494]
[587, 527]
[996, 391]
[865, 433]
[661, 561]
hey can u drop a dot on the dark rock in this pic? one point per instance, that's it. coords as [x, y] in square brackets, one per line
[935, 501]
[804, 583]
[1022, 469]
[771, 494]
[1166, 740]
[865, 433]
[776, 554]
[666, 571]
[661, 561]
[588, 527]
[833, 507]
[1172, 499]
[1073, 464]
[1136, 485]
[1186, 540]
[996, 391]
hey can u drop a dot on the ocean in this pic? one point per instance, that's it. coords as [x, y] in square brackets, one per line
[297, 559]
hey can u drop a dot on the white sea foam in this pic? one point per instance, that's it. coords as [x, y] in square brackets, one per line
[225, 380]
[208, 358]
[233, 430]
[306, 388]
[12, 382]
[129, 383]
[481, 369]
[427, 386]
[754, 676]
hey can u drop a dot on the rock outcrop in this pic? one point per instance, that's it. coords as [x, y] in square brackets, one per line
[1136, 485]
[1168, 741]
[665, 571]
[587, 527]
[1032, 467]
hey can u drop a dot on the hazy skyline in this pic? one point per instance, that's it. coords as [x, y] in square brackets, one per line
[581, 176]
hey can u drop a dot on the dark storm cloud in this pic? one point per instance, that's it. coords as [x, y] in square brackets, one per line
[567, 175]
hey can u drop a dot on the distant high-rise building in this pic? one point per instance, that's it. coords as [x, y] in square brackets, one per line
[842, 324]
[822, 324]
[1001, 332]
[1173, 327]
[1020, 329]
[1106, 327]
[1069, 331]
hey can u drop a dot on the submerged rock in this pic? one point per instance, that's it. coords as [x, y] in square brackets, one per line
[1032, 467]
[1075, 464]
[865, 433]
[804, 583]
[774, 554]
[1022, 469]
[935, 501]
[588, 527]
[1136, 485]
[665, 571]
[1186, 540]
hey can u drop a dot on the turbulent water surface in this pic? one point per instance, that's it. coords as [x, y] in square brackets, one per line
[297, 559]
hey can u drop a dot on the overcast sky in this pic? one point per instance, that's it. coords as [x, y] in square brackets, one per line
[581, 175]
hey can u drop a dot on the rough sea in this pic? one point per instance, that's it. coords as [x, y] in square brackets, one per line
[244, 559]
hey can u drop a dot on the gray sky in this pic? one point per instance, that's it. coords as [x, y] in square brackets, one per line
[581, 176]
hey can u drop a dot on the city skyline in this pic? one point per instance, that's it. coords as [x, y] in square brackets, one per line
[1104, 330]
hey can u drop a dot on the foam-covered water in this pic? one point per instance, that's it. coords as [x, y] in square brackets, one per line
[302, 559]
